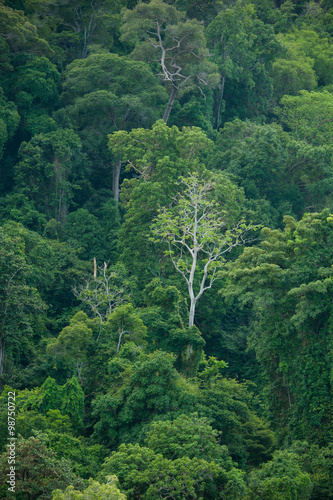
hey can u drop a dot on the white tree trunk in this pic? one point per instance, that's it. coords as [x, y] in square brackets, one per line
[192, 312]
[218, 111]
[115, 181]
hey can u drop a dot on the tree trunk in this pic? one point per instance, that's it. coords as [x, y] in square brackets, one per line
[218, 111]
[192, 312]
[84, 49]
[170, 103]
[115, 181]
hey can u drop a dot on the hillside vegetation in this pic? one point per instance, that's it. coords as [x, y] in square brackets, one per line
[166, 249]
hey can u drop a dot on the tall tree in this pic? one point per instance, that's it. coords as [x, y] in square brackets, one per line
[105, 93]
[51, 165]
[243, 47]
[162, 36]
[146, 474]
[158, 157]
[19, 299]
[197, 235]
[72, 343]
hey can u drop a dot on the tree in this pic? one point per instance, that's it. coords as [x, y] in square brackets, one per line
[127, 324]
[158, 156]
[309, 116]
[312, 50]
[94, 491]
[50, 167]
[188, 436]
[9, 121]
[84, 231]
[34, 86]
[139, 390]
[165, 316]
[68, 399]
[105, 93]
[294, 71]
[239, 42]
[257, 157]
[103, 293]
[72, 343]
[196, 233]
[148, 475]
[72, 403]
[163, 36]
[280, 479]
[281, 172]
[318, 463]
[37, 470]
[19, 299]
[229, 407]
[74, 28]
[20, 34]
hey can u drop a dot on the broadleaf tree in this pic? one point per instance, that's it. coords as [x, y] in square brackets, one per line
[197, 234]
[163, 37]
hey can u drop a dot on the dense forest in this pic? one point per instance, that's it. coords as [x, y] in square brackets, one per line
[166, 257]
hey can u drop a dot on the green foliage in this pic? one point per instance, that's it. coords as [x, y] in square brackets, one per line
[287, 281]
[34, 87]
[164, 315]
[317, 462]
[19, 300]
[145, 474]
[188, 436]
[148, 387]
[243, 48]
[107, 92]
[161, 153]
[160, 156]
[197, 234]
[161, 35]
[281, 478]
[228, 405]
[74, 31]
[124, 324]
[32, 415]
[309, 116]
[88, 292]
[9, 121]
[37, 470]
[51, 165]
[85, 459]
[106, 290]
[72, 343]
[315, 51]
[68, 399]
[280, 173]
[95, 491]
[83, 230]
[72, 403]
[20, 34]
